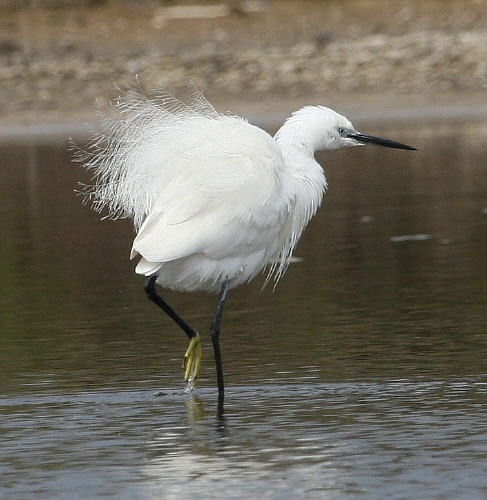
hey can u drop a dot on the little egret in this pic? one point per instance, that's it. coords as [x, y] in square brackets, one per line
[214, 199]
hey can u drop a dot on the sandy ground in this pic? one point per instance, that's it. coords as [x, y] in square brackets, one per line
[56, 60]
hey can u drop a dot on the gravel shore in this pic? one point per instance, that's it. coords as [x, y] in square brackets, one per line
[55, 61]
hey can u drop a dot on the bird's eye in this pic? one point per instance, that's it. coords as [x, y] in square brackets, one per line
[342, 131]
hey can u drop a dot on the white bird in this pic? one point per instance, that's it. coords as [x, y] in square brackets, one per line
[214, 199]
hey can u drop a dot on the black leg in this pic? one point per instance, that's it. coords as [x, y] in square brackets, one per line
[215, 338]
[150, 290]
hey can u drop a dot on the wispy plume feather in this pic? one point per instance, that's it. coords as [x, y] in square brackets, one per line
[124, 179]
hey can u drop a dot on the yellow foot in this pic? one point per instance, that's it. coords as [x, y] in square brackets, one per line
[192, 363]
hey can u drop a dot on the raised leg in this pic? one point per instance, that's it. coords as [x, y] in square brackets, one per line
[215, 338]
[192, 357]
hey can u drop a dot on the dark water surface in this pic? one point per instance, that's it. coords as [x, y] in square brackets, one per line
[362, 376]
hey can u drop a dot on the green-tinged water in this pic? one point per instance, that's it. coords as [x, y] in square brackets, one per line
[363, 375]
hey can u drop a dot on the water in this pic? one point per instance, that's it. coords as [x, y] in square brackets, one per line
[362, 376]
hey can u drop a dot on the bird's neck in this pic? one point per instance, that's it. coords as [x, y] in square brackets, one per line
[298, 151]
[308, 176]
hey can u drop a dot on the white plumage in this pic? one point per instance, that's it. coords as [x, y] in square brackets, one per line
[213, 198]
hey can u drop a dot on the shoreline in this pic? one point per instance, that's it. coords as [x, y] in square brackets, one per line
[376, 108]
[368, 59]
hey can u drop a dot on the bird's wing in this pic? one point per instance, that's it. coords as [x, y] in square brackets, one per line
[226, 198]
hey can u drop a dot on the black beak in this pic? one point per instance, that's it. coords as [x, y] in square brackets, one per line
[370, 139]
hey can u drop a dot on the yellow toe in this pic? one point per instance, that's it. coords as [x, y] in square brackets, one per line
[192, 361]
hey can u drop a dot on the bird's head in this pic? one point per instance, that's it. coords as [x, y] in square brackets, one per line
[320, 128]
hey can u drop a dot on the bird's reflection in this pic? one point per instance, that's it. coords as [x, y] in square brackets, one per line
[194, 406]
[196, 411]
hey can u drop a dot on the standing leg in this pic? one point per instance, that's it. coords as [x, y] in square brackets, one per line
[215, 338]
[192, 357]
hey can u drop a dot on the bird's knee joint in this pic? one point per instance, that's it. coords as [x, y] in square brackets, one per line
[149, 287]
